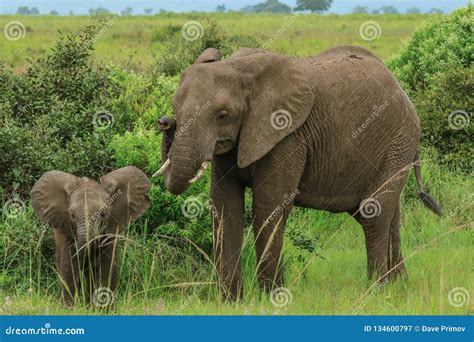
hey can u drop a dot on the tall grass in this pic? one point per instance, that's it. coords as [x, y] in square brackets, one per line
[161, 275]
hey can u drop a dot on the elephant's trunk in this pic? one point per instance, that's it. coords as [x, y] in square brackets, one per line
[183, 161]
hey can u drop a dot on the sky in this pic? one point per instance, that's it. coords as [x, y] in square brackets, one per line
[82, 6]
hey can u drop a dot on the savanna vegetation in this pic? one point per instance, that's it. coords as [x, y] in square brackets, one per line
[83, 94]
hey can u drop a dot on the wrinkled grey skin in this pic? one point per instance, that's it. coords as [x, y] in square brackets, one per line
[326, 132]
[86, 216]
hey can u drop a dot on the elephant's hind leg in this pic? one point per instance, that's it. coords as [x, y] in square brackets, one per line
[396, 265]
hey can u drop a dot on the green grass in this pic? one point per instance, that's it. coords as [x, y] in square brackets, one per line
[137, 41]
[160, 278]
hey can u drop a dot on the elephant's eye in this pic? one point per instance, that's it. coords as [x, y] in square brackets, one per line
[102, 214]
[222, 114]
[71, 213]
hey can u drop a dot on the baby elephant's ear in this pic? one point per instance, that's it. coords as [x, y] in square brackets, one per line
[209, 55]
[128, 188]
[50, 197]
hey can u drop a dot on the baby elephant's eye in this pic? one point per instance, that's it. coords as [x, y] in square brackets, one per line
[102, 214]
[71, 213]
[222, 114]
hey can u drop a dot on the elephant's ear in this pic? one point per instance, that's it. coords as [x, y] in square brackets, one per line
[127, 187]
[208, 56]
[50, 197]
[280, 100]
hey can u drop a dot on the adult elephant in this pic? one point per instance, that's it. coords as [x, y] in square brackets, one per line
[333, 132]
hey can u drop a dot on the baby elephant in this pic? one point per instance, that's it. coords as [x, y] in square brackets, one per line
[87, 216]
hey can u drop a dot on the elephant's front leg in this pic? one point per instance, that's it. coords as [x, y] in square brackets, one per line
[108, 262]
[275, 187]
[227, 209]
[68, 267]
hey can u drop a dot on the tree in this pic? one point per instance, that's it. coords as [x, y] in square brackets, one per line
[98, 11]
[271, 6]
[53, 12]
[247, 9]
[436, 11]
[221, 8]
[148, 10]
[413, 10]
[34, 11]
[389, 10]
[23, 10]
[127, 11]
[375, 11]
[318, 6]
[360, 10]
[71, 13]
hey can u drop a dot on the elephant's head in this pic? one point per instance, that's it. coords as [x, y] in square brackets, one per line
[84, 208]
[250, 102]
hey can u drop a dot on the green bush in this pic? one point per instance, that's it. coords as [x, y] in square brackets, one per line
[178, 52]
[140, 146]
[47, 115]
[435, 69]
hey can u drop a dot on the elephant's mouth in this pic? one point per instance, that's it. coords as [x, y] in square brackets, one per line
[223, 146]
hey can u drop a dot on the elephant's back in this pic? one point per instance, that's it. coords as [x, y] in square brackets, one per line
[344, 51]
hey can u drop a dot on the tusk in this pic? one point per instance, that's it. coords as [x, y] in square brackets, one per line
[162, 168]
[200, 172]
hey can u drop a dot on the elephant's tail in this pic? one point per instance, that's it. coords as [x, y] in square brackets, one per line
[426, 198]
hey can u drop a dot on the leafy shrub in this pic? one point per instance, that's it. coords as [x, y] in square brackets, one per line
[140, 146]
[178, 53]
[48, 113]
[435, 68]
